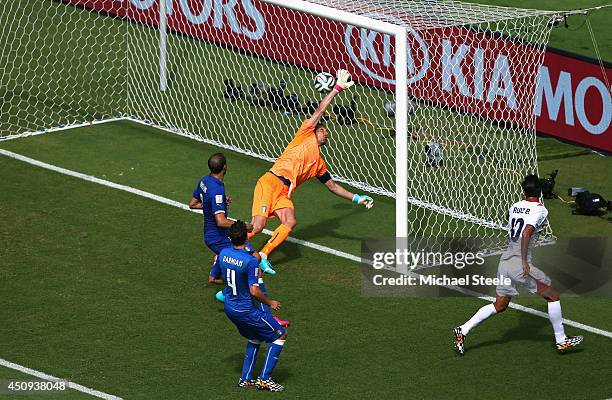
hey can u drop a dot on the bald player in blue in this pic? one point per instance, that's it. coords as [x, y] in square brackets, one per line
[209, 196]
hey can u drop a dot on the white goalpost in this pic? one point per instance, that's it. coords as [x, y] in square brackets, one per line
[401, 94]
[163, 54]
[440, 119]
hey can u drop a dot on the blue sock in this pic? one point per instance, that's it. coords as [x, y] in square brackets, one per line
[249, 360]
[262, 306]
[274, 350]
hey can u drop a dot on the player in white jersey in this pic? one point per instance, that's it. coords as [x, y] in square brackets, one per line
[527, 219]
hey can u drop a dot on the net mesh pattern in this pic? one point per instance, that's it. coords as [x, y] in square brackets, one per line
[240, 73]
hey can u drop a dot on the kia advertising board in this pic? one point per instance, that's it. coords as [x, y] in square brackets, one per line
[461, 68]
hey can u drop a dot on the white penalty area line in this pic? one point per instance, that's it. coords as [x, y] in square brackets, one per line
[315, 246]
[47, 377]
[159, 199]
[61, 128]
[519, 307]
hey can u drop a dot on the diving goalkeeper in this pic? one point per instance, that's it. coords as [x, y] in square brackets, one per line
[301, 160]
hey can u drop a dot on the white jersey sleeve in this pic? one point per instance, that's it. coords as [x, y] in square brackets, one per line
[536, 217]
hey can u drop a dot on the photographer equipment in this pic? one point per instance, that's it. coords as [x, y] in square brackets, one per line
[389, 108]
[575, 190]
[232, 91]
[548, 185]
[346, 113]
[588, 203]
[433, 150]
[258, 92]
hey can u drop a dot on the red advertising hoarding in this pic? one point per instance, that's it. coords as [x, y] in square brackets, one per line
[461, 68]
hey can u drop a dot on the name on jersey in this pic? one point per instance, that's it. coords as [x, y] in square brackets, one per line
[521, 210]
[233, 261]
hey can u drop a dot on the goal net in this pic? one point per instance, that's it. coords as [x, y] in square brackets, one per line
[238, 74]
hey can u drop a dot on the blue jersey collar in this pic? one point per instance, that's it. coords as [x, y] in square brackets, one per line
[220, 182]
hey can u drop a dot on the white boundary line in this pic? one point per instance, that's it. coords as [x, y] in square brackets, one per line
[198, 138]
[357, 185]
[315, 246]
[61, 128]
[47, 377]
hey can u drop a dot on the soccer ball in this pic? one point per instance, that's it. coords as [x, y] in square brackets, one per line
[324, 82]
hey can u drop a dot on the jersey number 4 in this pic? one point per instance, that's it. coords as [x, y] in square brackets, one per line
[231, 280]
[516, 227]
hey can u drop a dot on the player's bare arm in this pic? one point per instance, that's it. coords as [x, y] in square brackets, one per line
[527, 232]
[339, 191]
[222, 221]
[216, 281]
[261, 297]
[320, 111]
[343, 81]
[195, 204]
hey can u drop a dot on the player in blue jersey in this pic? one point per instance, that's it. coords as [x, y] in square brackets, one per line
[241, 273]
[209, 196]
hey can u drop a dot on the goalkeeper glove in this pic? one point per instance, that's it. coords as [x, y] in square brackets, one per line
[343, 80]
[367, 201]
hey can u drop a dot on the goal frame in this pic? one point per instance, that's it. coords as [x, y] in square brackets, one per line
[401, 85]
[400, 34]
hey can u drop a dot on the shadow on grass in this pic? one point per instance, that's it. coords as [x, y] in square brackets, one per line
[235, 361]
[285, 254]
[280, 373]
[331, 226]
[288, 252]
[529, 329]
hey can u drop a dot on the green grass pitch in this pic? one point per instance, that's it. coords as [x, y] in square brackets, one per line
[107, 289]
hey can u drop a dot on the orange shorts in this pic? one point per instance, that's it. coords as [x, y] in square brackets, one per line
[270, 194]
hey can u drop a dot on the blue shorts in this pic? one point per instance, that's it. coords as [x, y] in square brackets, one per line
[257, 325]
[224, 243]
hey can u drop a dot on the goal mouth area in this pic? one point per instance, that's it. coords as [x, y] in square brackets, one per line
[163, 59]
[491, 226]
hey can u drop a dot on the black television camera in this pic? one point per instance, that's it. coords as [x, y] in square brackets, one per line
[588, 203]
[548, 185]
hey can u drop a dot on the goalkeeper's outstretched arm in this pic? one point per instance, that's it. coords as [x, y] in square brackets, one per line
[338, 190]
[343, 81]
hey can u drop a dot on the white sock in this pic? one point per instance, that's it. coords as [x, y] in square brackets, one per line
[556, 319]
[482, 314]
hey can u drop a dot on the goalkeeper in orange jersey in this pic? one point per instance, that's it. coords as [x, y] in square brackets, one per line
[300, 161]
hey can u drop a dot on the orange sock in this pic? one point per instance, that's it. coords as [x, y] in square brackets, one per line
[278, 237]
